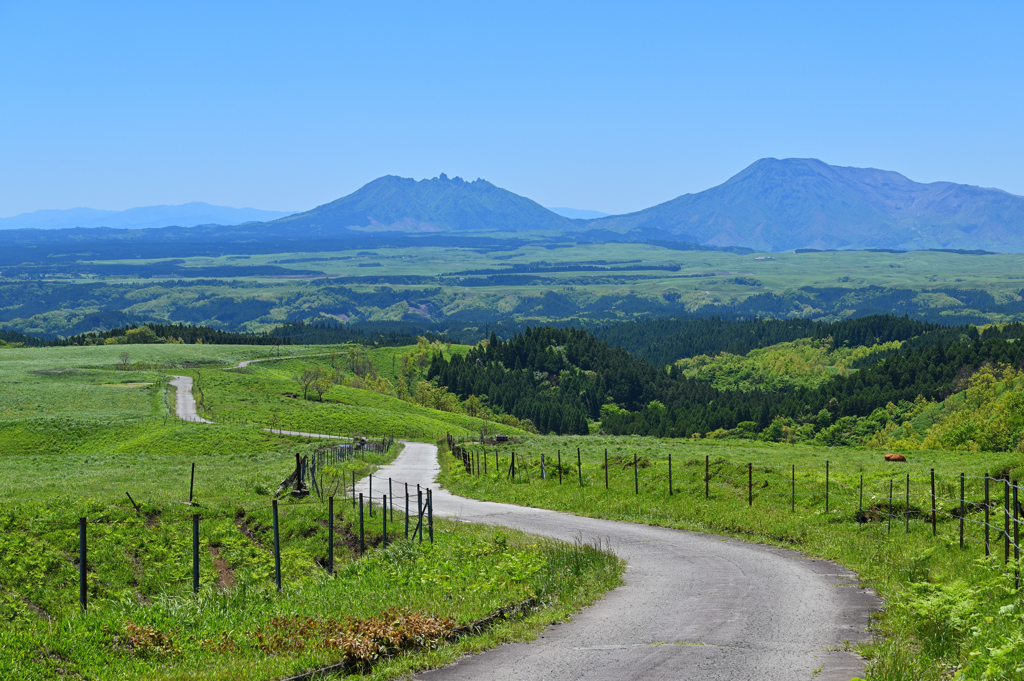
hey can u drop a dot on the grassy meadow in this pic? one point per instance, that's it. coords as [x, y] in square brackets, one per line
[950, 612]
[81, 429]
[437, 285]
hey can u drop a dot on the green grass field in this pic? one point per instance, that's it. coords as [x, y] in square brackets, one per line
[78, 435]
[423, 285]
[947, 609]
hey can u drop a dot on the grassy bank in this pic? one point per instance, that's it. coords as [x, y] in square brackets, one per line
[949, 612]
[78, 435]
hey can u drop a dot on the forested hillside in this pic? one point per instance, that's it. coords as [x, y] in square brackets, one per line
[559, 378]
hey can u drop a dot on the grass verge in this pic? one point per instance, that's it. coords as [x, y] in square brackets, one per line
[950, 612]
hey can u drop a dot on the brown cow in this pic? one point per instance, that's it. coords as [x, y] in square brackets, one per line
[895, 457]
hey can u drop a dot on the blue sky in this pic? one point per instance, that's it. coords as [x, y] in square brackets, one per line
[604, 106]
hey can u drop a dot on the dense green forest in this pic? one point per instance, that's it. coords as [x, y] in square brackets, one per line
[556, 376]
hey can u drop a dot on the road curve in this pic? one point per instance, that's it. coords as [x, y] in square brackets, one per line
[692, 606]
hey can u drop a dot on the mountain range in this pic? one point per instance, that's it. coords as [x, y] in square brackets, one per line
[148, 217]
[772, 205]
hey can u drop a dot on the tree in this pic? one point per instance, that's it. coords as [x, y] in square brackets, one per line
[125, 359]
[321, 383]
[306, 379]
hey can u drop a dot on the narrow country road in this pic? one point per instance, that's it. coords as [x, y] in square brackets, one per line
[693, 606]
[184, 402]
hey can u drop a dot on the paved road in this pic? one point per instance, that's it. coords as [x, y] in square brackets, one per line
[185, 408]
[184, 402]
[693, 606]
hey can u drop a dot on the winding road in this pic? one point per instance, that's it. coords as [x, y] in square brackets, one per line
[692, 606]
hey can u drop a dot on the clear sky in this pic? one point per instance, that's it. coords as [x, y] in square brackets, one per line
[603, 106]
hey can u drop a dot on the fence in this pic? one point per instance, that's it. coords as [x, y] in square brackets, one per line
[984, 509]
[419, 509]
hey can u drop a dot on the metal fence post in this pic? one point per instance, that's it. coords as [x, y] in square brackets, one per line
[384, 522]
[860, 503]
[1006, 520]
[559, 466]
[826, 487]
[750, 484]
[606, 468]
[353, 490]
[391, 496]
[962, 510]
[707, 476]
[195, 553]
[330, 535]
[369, 496]
[277, 549]
[83, 587]
[670, 473]
[419, 511]
[636, 475]
[362, 537]
[430, 514]
[906, 512]
[579, 465]
[889, 510]
[406, 510]
[1016, 538]
[934, 529]
[986, 516]
[792, 494]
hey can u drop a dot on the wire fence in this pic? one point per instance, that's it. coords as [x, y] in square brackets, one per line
[415, 516]
[985, 510]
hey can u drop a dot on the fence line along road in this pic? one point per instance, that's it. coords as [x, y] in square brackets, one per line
[692, 606]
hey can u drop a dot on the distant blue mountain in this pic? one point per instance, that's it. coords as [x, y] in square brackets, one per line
[577, 214]
[185, 215]
[784, 204]
[440, 204]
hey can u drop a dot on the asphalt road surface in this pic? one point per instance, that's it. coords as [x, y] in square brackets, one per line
[693, 606]
[184, 402]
